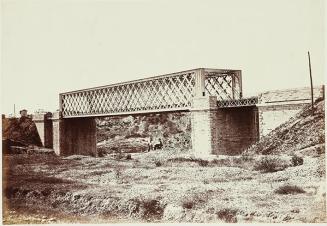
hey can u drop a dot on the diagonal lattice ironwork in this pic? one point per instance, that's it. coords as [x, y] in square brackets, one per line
[226, 85]
[162, 93]
[251, 101]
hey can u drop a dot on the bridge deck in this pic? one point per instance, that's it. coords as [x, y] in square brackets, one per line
[169, 92]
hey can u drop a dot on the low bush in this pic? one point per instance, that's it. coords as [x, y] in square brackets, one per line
[158, 163]
[270, 164]
[296, 160]
[192, 200]
[227, 215]
[203, 163]
[181, 159]
[188, 204]
[152, 209]
[118, 155]
[289, 189]
[101, 151]
[128, 157]
[148, 209]
[222, 162]
[135, 135]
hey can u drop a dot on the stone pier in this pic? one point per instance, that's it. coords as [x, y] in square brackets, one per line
[44, 128]
[237, 128]
[74, 136]
[204, 126]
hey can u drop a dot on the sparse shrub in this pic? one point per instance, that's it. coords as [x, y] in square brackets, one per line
[181, 159]
[118, 171]
[270, 164]
[296, 160]
[152, 209]
[269, 150]
[247, 158]
[289, 189]
[158, 163]
[188, 204]
[147, 209]
[321, 150]
[203, 163]
[135, 135]
[222, 162]
[128, 157]
[118, 155]
[101, 151]
[227, 215]
[191, 200]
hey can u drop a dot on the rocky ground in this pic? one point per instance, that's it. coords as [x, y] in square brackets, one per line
[132, 133]
[280, 179]
[157, 188]
[19, 132]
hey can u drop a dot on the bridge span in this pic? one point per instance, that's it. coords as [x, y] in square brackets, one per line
[171, 92]
[222, 121]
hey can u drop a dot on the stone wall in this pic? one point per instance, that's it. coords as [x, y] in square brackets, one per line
[237, 129]
[278, 106]
[74, 136]
[204, 126]
[43, 124]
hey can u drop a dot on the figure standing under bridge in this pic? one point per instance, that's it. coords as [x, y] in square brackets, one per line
[154, 145]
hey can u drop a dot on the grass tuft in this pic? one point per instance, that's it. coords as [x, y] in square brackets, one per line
[227, 215]
[289, 189]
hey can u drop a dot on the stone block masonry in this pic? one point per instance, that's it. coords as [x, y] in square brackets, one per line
[278, 106]
[43, 124]
[237, 129]
[204, 126]
[226, 131]
[75, 136]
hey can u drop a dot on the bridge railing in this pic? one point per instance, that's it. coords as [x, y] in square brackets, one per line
[161, 93]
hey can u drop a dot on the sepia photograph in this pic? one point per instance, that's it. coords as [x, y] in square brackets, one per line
[163, 111]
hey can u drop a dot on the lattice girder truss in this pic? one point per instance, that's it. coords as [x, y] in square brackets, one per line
[250, 101]
[161, 93]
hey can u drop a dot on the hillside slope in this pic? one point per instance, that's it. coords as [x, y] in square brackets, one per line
[19, 131]
[132, 133]
[303, 134]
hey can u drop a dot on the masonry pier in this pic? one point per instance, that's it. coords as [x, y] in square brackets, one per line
[43, 124]
[74, 136]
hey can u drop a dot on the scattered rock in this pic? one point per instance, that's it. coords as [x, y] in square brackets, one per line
[296, 210]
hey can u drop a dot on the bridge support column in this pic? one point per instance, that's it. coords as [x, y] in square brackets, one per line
[74, 136]
[204, 126]
[43, 124]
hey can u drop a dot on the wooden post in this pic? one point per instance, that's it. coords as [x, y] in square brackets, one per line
[312, 109]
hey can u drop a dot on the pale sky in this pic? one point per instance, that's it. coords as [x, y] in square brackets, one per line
[52, 46]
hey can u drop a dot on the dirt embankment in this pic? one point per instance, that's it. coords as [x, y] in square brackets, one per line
[132, 133]
[19, 132]
[304, 134]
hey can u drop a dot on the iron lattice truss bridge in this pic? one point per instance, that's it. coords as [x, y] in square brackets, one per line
[169, 92]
